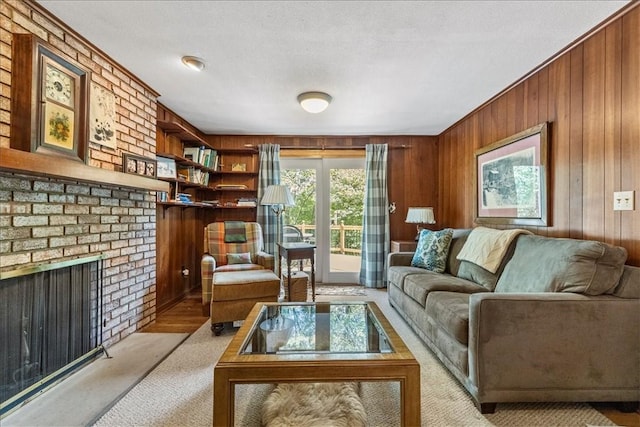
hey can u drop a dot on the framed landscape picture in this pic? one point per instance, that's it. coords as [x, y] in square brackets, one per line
[166, 168]
[511, 179]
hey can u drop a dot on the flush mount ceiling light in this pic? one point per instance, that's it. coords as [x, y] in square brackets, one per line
[314, 102]
[193, 62]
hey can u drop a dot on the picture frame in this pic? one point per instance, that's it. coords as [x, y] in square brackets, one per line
[49, 102]
[238, 167]
[102, 116]
[139, 165]
[166, 168]
[511, 179]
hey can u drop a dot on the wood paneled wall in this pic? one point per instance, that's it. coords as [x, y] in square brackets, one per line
[591, 98]
[413, 167]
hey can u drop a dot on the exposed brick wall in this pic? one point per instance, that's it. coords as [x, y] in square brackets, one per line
[45, 220]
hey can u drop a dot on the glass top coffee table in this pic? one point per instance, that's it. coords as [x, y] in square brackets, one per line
[316, 342]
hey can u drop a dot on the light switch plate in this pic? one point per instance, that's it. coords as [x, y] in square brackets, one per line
[624, 200]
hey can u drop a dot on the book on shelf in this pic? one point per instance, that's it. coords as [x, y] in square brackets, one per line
[184, 198]
[206, 157]
[248, 202]
[214, 160]
[192, 153]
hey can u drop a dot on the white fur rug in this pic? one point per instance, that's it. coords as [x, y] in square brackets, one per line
[314, 405]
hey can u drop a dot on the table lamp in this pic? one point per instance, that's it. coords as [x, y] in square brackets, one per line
[418, 216]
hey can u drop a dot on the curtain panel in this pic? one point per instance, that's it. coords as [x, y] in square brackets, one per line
[375, 232]
[268, 174]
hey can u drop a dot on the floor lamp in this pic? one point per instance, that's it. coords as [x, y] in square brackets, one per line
[278, 197]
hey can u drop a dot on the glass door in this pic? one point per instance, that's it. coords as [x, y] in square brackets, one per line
[329, 196]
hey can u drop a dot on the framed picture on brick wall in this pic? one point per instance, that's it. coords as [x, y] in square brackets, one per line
[49, 100]
[138, 165]
[102, 116]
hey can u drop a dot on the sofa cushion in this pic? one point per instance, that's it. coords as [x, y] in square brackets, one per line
[432, 250]
[398, 273]
[542, 264]
[451, 311]
[457, 242]
[418, 286]
[629, 284]
[475, 273]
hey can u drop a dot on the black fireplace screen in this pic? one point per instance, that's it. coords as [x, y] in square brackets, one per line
[48, 320]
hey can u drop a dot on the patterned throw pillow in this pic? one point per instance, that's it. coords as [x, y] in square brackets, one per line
[242, 258]
[432, 250]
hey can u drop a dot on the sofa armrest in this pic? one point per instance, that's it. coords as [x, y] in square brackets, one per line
[399, 258]
[563, 341]
[207, 267]
[266, 260]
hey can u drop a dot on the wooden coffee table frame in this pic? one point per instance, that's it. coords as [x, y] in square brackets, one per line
[236, 368]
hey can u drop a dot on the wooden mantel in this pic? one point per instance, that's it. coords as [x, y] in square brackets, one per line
[59, 167]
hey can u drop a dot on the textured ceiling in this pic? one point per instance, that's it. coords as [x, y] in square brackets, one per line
[392, 68]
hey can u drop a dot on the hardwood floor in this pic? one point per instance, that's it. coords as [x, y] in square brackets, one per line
[186, 316]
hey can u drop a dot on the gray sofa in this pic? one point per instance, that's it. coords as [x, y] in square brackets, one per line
[558, 321]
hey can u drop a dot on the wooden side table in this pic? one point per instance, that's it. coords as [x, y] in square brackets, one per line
[403, 245]
[293, 251]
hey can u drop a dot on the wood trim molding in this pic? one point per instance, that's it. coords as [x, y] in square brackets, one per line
[19, 161]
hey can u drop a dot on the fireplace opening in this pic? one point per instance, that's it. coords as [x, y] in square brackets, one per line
[49, 325]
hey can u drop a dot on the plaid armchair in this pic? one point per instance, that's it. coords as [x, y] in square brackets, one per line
[220, 256]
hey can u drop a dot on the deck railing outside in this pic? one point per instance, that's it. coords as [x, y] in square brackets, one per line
[345, 239]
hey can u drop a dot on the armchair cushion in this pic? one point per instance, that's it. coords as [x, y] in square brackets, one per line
[215, 245]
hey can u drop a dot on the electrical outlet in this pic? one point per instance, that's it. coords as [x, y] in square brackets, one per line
[624, 200]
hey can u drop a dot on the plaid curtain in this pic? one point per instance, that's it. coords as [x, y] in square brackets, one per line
[375, 232]
[268, 174]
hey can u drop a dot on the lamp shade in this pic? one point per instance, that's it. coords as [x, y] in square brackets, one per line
[277, 195]
[420, 216]
[314, 102]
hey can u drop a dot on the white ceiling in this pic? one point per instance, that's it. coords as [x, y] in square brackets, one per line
[392, 67]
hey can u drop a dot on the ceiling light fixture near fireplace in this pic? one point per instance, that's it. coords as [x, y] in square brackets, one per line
[314, 102]
[193, 63]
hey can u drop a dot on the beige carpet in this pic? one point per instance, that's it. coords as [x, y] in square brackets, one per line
[179, 391]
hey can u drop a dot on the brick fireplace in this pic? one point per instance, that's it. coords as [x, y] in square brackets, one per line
[46, 219]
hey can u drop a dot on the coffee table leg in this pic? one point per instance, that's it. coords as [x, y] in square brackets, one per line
[223, 399]
[410, 399]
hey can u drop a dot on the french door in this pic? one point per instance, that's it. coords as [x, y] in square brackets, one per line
[328, 210]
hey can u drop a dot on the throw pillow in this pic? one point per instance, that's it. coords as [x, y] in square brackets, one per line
[432, 250]
[242, 258]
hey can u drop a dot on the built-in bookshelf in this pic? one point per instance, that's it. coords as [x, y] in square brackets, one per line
[205, 177]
